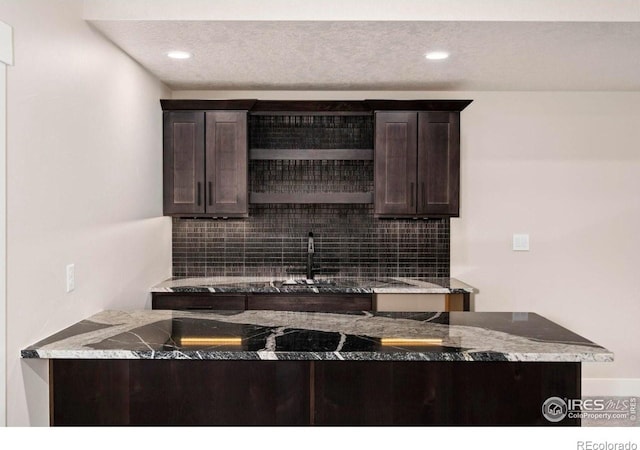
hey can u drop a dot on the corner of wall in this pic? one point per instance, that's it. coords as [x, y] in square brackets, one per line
[6, 58]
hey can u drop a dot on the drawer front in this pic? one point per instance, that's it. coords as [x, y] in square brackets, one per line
[310, 302]
[198, 301]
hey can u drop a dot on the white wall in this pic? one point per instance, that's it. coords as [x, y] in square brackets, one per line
[564, 167]
[6, 58]
[3, 248]
[84, 185]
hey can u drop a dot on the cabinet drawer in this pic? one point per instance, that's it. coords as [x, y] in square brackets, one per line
[310, 302]
[198, 300]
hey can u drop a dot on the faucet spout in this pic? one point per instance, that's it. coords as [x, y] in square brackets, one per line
[310, 252]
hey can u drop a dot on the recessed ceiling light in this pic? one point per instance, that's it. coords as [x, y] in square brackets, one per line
[177, 54]
[437, 55]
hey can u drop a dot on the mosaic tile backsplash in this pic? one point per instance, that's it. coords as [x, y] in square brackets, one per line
[349, 242]
[284, 176]
[311, 131]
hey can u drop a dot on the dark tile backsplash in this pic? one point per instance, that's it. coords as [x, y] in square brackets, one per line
[302, 176]
[273, 242]
[320, 132]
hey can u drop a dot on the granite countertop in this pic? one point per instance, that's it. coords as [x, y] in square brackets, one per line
[287, 335]
[342, 285]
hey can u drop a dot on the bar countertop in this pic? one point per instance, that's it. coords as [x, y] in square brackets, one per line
[339, 285]
[286, 335]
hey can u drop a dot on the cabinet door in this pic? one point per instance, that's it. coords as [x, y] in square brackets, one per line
[183, 162]
[395, 163]
[227, 161]
[438, 163]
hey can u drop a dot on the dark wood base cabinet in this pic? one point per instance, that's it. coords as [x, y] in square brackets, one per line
[179, 392]
[198, 301]
[311, 302]
[274, 302]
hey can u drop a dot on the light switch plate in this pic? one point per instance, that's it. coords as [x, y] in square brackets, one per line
[521, 242]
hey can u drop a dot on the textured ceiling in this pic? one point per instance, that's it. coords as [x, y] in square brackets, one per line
[385, 55]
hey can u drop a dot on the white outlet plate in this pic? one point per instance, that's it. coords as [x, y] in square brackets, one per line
[521, 242]
[71, 277]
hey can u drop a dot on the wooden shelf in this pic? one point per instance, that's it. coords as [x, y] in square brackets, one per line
[311, 154]
[307, 198]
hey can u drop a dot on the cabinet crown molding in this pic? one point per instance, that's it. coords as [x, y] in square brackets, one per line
[254, 106]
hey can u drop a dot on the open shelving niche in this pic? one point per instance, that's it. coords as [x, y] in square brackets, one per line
[295, 157]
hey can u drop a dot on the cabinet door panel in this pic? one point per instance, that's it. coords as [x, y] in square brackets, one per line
[438, 163]
[227, 161]
[395, 163]
[183, 162]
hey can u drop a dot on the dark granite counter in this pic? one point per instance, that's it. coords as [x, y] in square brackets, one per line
[285, 335]
[341, 285]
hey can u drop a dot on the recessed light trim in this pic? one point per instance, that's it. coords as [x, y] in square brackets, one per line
[435, 56]
[179, 54]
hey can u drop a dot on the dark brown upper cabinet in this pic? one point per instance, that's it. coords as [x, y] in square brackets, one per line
[416, 154]
[205, 163]
[417, 164]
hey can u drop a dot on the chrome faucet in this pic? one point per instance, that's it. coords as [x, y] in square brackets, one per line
[310, 252]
